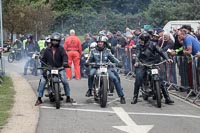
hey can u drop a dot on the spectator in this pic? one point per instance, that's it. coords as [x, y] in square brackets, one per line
[192, 45]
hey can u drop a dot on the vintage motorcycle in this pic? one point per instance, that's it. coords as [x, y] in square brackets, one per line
[15, 54]
[151, 83]
[101, 83]
[34, 63]
[53, 86]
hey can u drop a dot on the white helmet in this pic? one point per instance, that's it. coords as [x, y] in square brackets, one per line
[93, 45]
[102, 39]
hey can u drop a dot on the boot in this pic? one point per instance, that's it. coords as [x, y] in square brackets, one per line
[122, 100]
[38, 102]
[70, 100]
[89, 93]
[166, 96]
[134, 101]
[169, 101]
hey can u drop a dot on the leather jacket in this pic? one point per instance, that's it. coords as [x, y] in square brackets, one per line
[150, 53]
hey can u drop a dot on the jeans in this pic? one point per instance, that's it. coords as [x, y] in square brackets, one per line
[64, 81]
[112, 76]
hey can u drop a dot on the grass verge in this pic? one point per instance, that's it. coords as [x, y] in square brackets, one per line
[6, 99]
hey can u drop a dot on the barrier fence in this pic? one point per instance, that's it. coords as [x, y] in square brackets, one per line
[183, 74]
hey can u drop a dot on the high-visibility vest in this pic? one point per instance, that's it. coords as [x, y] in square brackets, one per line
[24, 43]
[41, 44]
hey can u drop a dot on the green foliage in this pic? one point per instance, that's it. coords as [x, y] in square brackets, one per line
[94, 15]
[6, 99]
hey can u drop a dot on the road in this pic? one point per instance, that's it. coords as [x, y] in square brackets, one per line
[86, 116]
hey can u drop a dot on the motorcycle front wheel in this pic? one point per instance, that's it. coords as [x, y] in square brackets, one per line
[157, 93]
[11, 57]
[57, 95]
[103, 91]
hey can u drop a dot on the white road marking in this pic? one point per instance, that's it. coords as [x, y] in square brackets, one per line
[131, 127]
[130, 113]
[183, 100]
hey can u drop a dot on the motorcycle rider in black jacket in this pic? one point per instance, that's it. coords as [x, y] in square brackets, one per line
[148, 52]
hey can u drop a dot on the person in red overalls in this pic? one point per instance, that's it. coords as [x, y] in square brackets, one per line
[73, 49]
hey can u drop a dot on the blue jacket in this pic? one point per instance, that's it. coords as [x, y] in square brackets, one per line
[103, 56]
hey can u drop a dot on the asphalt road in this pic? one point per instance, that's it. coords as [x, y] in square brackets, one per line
[86, 116]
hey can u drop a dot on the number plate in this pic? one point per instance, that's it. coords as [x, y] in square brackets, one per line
[154, 71]
[54, 71]
[103, 69]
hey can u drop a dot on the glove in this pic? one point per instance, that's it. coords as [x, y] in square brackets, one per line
[119, 65]
[65, 65]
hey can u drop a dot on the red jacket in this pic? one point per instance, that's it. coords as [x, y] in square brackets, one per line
[130, 44]
[73, 43]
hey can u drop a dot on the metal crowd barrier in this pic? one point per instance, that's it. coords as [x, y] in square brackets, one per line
[183, 74]
[126, 56]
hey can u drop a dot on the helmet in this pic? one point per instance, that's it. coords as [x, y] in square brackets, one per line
[47, 39]
[93, 45]
[102, 33]
[102, 39]
[144, 37]
[150, 31]
[56, 36]
[29, 36]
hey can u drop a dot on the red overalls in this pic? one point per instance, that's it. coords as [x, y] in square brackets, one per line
[73, 49]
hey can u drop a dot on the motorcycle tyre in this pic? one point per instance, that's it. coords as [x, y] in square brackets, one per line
[103, 92]
[57, 95]
[158, 93]
[11, 57]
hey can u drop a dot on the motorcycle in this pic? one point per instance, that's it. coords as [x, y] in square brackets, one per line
[53, 84]
[101, 83]
[151, 83]
[15, 54]
[34, 63]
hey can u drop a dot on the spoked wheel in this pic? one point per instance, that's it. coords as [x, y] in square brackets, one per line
[11, 57]
[103, 91]
[57, 95]
[157, 93]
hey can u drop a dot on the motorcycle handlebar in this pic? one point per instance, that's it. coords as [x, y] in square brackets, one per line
[151, 65]
[51, 68]
[101, 64]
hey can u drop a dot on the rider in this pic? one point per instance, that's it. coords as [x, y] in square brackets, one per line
[148, 52]
[30, 47]
[54, 56]
[102, 54]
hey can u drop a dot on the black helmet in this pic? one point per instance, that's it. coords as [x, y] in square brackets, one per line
[150, 31]
[29, 36]
[144, 37]
[56, 36]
